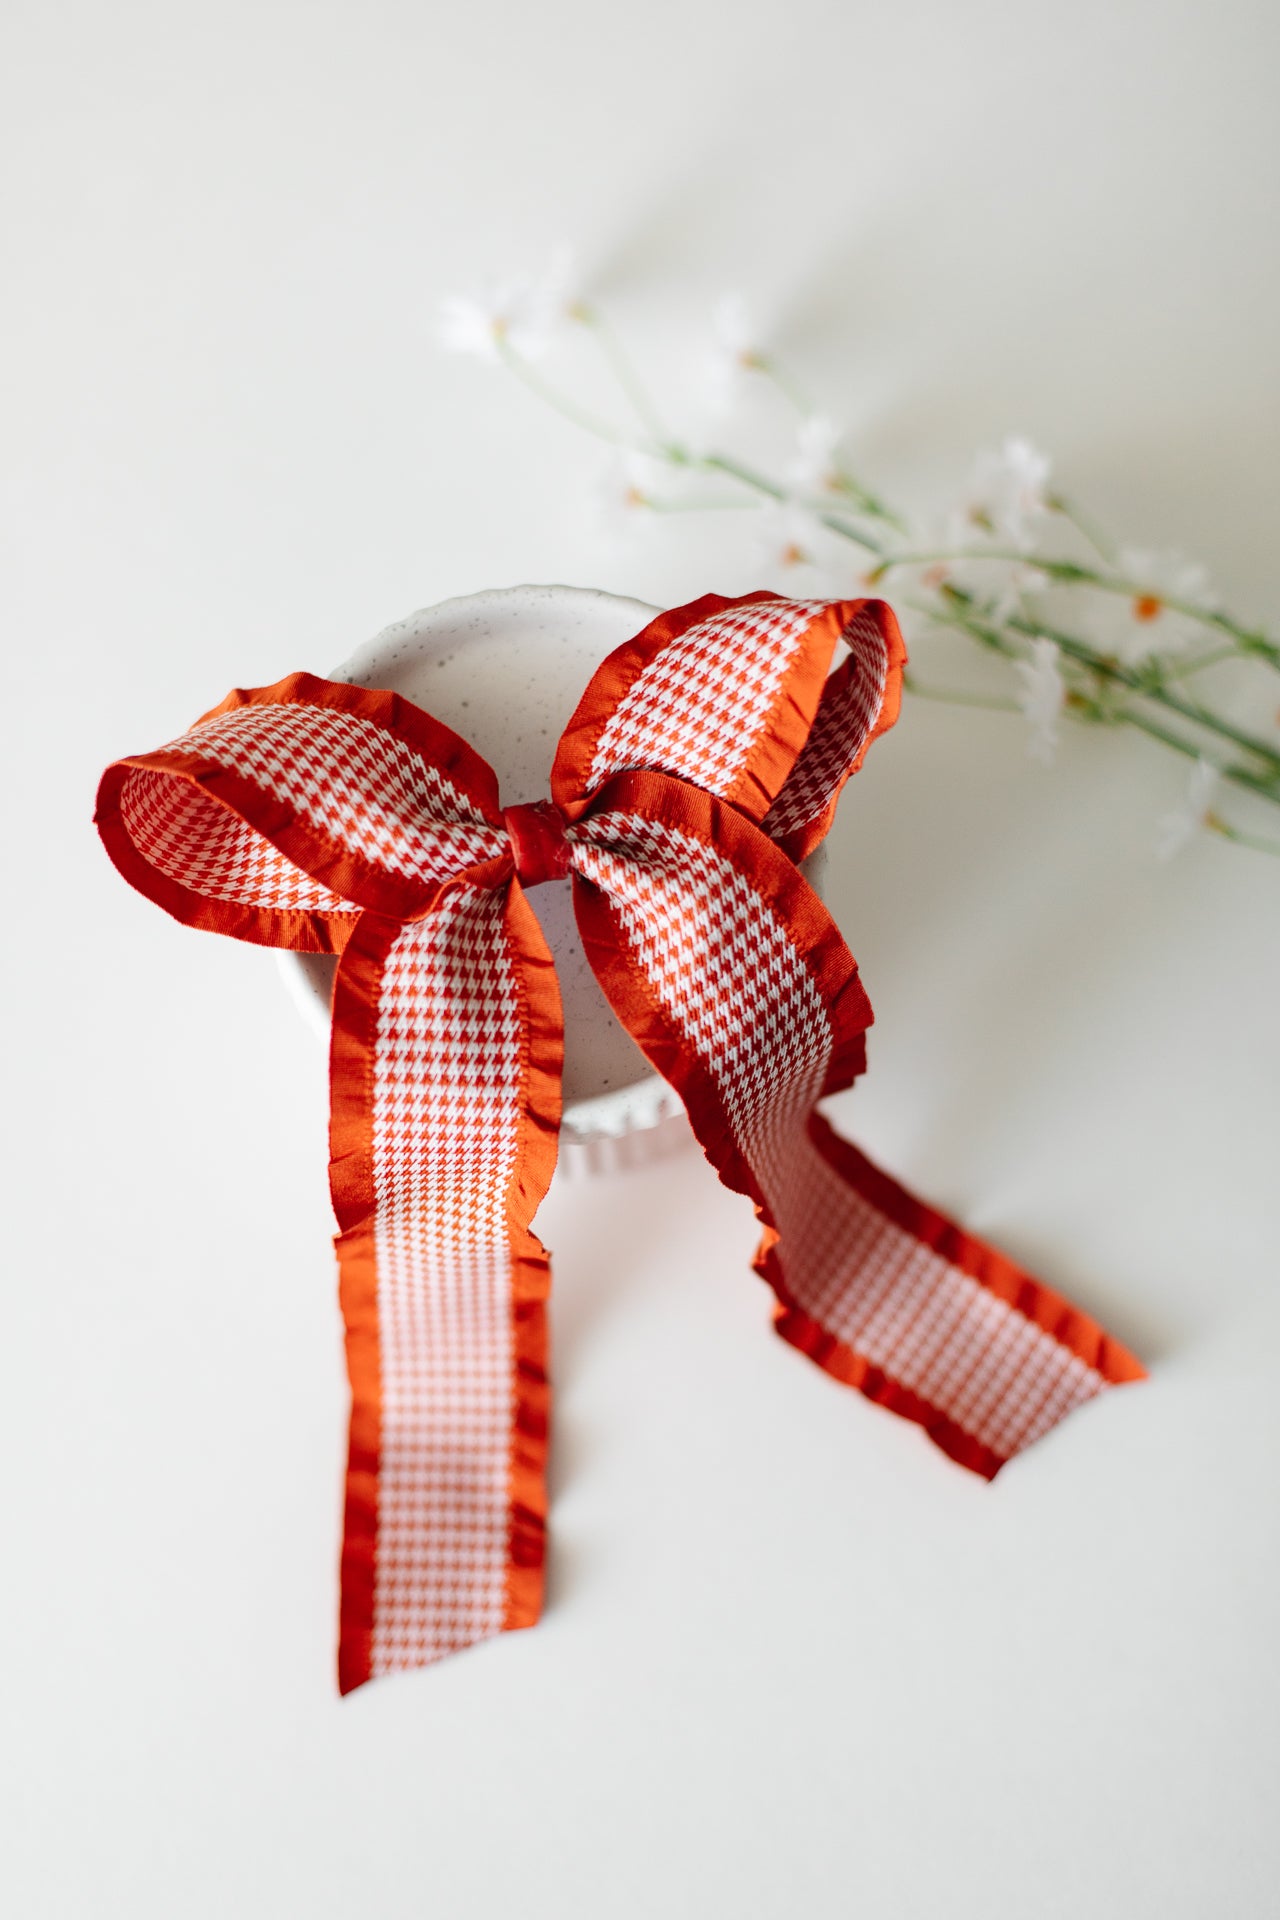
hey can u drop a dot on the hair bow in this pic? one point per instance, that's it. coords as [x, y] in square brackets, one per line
[704, 761]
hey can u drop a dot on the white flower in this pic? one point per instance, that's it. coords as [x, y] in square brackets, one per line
[1177, 827]
[526, 313]
[622, 496]
[1041, 697]
[1008, 491]
[1000, 585]
[788, 535]
[812, 467]
[735, 350]
[1150, 626]
[470, 325]
[1019, 579]
[734, 330]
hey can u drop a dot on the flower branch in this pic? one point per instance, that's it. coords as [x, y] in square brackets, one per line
[999, 575]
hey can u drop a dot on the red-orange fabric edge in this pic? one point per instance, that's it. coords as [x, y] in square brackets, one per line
[540, 1102]
[351, 1183]
[802, 842]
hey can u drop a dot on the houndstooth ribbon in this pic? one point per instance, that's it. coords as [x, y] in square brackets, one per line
[702, 764]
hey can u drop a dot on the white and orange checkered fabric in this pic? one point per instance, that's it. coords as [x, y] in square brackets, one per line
[703, 763]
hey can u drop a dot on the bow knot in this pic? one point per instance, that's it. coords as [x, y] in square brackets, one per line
[701, 766]
[538, 841]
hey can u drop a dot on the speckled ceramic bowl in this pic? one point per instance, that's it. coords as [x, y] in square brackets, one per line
[505, 670]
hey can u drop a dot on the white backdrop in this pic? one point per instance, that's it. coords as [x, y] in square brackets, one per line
[794, 1662]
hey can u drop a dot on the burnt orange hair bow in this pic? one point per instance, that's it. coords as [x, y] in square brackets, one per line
[703, 763]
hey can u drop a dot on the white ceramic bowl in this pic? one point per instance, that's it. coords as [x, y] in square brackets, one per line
[505, 670]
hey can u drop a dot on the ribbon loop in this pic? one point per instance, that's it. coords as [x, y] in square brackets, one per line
[859, 702]
[720, 693]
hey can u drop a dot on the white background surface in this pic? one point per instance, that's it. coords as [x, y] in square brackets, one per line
[794, 1662]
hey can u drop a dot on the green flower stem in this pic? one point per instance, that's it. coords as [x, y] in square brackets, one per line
[737, 505]
[1072, 573]
[1126, 715]
[1215, 824]
[1084, 524]
[954, 697]
[1251, 641]
[1112, 671]
[1150, 690]
[787, 386]
[990, 637]
[1121, 676]
[857, 535]
[760, 483]
[863, 498]
[1181, 669]
[868, 502]
[721, 463]
[1188, 748]
[642, 402]
[560, 403]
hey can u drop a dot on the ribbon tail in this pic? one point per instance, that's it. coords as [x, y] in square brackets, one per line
[936, 1325]
[445, 1066]
[737, 984]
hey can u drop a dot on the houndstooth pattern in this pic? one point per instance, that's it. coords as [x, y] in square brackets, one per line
[849, 708]
[730, 980]
[354, 781]
[448, 1067]
[447, 1080]
[190, 837]
[696, 708]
